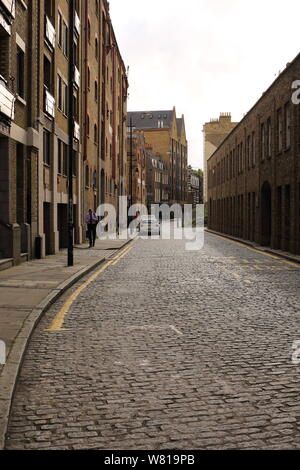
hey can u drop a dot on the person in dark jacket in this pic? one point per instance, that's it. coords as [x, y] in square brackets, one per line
[91, 220]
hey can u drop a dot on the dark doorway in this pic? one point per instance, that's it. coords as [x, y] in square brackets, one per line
[287, 218]
[266, 214]
[47, 228]
[62, 224]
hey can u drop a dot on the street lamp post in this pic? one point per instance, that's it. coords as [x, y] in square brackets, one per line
[131, 157]
[71, 136]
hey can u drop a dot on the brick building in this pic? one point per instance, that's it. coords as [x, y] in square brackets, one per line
[254, 175]
[167, 136]
[136, 163]
[214, 132]
[157, 181]
[104, 109]
[19, 138]
[194, 187]
[34, 132]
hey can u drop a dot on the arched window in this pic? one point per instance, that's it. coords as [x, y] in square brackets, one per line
[96, 91]
[89, 78]
[96, 48]
[89, 31]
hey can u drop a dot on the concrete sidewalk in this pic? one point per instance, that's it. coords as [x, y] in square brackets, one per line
[26, 292]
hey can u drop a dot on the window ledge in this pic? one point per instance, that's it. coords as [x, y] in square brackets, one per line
[21, 100]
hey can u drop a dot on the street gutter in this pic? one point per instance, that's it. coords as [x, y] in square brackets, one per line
[280, 254]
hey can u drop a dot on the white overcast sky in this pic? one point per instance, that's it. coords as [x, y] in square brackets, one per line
[204, 56]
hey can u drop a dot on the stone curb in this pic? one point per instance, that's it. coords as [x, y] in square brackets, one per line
[256, 247]
[10, 373]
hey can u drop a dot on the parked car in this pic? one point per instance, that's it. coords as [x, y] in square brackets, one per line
[149, 225]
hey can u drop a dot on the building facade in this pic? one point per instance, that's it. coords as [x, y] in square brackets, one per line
[157, 179]
[19, 126]
[194, 187]
[34, 121]
[167, 136]
[254, 176]
[214, 132]
[136, 163]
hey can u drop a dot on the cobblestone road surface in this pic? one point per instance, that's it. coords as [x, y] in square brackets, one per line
[168, 349]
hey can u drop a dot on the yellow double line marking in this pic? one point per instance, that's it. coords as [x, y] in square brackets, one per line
[57, 324]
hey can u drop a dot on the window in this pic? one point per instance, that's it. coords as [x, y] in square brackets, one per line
[60, 29]
[248, 152]
[87, 177]
[96, 48]
[74, 163]
[46, 148]
[65, 39]
[95, 134]
[279, 131]
[269, 138]
[59, 157]
[96, 91]
[64, 98]
[233, 164]
[262, 141]
[65, 158]
[89, 31]
[287, 122]
[20, 73]
[89, 78]
[59, 92]
[242, 156]
[253, 149]
[47, 74]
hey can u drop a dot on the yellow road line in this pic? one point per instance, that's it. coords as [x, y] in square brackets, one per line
[257, 251]
[122, 255]
[58, 321]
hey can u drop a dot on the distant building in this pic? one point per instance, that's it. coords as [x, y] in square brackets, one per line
[194, 187]
[136, 163]
[157, 179]
[214, 132]
[254, 175]
[166, 134]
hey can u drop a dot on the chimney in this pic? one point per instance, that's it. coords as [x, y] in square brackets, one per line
[225, 117]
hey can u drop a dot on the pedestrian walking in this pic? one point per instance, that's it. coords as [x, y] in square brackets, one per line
[91, 220]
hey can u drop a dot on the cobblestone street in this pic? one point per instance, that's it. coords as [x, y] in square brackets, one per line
[168, 349]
